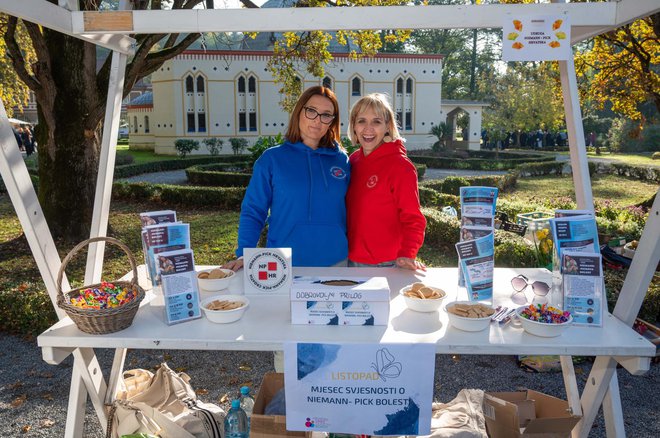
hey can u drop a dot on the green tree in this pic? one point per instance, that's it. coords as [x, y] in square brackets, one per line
[13, 91]
[524, 99]
[622, 68]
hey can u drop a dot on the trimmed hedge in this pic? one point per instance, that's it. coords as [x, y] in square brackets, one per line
[474, 163]
[421, 170]
[452, 184]
[219, 175]
[429, 197]
[164, 166]
[227, 198]
[643, 173]
[511, 250]
[442, 230]
[540, 169]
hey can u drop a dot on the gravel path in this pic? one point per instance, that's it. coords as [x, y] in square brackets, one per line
[33, 394]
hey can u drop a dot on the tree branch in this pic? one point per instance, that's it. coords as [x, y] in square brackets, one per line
[16, 56]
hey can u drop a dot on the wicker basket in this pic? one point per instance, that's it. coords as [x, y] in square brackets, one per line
[100, 321]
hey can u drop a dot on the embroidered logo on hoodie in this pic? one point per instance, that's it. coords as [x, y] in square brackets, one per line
[372, 181]
[337, 172]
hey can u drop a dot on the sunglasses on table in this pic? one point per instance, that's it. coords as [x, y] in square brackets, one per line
[312, 114]
[520, 283]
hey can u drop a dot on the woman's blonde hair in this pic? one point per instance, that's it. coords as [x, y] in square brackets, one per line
[380, 104]
[331, 138]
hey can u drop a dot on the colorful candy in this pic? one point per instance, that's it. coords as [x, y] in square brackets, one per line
[545, 314]
[106, 296]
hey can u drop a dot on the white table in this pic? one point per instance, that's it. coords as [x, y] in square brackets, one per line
[266, 326]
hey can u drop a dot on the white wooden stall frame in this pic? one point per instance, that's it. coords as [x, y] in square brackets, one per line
[587, 20]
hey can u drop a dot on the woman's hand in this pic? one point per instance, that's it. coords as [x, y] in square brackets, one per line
[408, 263]
[234, 265]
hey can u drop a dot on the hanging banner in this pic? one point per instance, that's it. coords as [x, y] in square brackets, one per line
[374, 389]
[536, 38]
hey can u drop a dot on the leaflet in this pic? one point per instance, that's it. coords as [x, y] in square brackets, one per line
[161, 238]
[477, 215]
[577, 233]
[154, 218]
[176, 270]
[583, 287]
[477, 261]
[478, 201]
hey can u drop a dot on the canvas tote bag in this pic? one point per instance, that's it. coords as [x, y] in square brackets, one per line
[163, 403]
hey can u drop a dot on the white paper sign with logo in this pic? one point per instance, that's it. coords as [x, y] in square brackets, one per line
[267, 271]
[536, 38]
[374, 389]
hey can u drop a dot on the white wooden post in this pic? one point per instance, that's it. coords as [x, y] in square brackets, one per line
[106, 167]
[19, 186]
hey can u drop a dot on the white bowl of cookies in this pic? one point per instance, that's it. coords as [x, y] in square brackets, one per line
[469, 316]
[224, 309]
[214, 279]
[422, 298]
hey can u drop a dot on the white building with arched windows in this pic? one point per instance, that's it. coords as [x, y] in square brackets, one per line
[230, 93]
[201, 94]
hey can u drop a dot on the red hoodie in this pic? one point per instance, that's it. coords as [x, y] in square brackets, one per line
[382, 203]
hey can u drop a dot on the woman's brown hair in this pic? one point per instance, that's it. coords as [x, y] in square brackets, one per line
[331, 138]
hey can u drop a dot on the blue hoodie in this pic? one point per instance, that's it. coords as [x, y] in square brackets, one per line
[304, 191]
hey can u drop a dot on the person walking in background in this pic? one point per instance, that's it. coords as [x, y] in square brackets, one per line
[385, 223]
[299, 188]
[29, 143]
[17, 136]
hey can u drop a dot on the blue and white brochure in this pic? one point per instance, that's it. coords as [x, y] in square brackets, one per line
[576, 233]
[161, 238]
[583, 286]
[176, 270]
[477, 215]
[478, 201]
[477, 261]
[148, 218]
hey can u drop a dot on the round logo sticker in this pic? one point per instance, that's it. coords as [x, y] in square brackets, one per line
[372, 181]
[267, 271]
[337, 172]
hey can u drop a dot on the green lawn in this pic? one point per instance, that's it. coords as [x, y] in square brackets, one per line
[639, 159]
[140, 157]
[622, 191]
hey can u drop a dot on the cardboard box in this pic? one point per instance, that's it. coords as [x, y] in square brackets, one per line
[340, 301]
[269, 426]
[527, 414]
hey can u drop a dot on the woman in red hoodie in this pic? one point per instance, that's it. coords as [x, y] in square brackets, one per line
[385, 224]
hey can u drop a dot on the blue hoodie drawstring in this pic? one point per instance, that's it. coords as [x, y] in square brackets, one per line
[311, 187]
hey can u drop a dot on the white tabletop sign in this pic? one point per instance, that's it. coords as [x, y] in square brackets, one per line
[536, 38]
[375, 389]
[267, 271]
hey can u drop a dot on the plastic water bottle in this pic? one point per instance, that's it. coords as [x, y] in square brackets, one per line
[236, 422]
[247, 403]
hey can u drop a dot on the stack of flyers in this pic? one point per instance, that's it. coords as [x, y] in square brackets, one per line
[477, 216]
[178, 283]
[477, 261]
[570, 232]
[154, 218]
[583, 287]
[161, 238]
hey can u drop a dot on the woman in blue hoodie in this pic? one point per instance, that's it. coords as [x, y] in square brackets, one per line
[299, 188]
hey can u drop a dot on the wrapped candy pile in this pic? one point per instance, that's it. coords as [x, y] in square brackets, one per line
[106, 296]
[545, 314]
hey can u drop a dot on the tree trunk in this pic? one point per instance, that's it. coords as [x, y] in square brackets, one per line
[68, 160]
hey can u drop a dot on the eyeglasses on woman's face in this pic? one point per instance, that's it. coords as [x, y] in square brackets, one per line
[520, 283]
[312, 114]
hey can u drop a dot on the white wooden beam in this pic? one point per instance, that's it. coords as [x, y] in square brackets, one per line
[103, 194]
[347, 18]
[58, 18]
[30, 215]
[628, 11]
[642, 268]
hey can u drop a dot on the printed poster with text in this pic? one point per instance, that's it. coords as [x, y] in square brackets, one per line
[536, 38]
[374, 389]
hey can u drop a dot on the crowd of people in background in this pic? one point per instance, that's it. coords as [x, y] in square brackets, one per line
[25, 139]
[538, 139]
